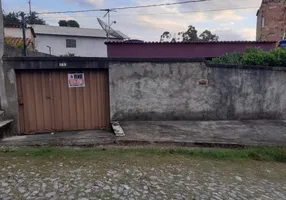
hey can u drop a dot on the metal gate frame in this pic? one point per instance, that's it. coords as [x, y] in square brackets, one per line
[46, 103]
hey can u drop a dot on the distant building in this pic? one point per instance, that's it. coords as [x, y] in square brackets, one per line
[69, 40]
[271, 20]
[14, 37]
[16, 32]
[64, 40]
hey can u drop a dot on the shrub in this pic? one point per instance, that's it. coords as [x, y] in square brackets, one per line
[280, 55]
[258, 58]
[232, 59]
[254, 56]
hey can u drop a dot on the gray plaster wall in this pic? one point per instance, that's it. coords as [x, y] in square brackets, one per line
[172, 91]
[10, 106]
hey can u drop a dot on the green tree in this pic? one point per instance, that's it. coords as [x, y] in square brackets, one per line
[189, 35]
[69, 23]
[166, 35]
[208, 36]
[33, 18]
[63, 23]
[73, 23]
[11, 18]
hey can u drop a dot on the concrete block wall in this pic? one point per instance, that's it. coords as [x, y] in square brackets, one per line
[195, 91]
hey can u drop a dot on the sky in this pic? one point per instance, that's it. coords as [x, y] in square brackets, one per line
[149, 23]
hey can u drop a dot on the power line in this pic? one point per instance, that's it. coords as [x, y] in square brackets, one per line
[162, 4]
[124, 8]
[167, 13]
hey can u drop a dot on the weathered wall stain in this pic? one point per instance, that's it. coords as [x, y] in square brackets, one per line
[171, 91]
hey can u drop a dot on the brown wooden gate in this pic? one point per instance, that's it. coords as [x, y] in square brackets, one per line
[47, 103]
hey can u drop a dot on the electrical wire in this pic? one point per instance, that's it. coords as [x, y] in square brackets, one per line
[167, 13]
[123, 8]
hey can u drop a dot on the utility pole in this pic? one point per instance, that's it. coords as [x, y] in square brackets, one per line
[3, 97]
[24, 33]
[30, 6]
[1, 33]
[108, 22]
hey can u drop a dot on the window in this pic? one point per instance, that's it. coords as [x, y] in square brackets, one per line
[262, 22]
[70, 43]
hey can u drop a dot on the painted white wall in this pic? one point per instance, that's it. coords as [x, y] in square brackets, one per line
[85, 47]
[17, 32]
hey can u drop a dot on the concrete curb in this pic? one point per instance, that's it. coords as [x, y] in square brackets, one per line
[118, 131]
[122, 142]
[133, 143]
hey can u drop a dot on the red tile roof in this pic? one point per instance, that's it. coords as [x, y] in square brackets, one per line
[15, 41]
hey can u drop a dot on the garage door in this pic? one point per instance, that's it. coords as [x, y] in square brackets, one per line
[63, 100]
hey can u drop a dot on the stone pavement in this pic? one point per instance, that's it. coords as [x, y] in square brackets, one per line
[134, 177]
[181, 133]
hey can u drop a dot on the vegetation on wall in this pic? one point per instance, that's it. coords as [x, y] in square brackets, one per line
[69, 55]
[19, 45]
[254, 56]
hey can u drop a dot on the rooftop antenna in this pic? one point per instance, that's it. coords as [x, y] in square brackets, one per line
[107, 27]
[110, 31]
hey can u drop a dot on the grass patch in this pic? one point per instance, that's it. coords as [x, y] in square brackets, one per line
[259, 154]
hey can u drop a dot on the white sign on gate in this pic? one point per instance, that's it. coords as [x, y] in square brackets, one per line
[76, 80]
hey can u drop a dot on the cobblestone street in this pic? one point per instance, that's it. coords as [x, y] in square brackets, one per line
[132, 177]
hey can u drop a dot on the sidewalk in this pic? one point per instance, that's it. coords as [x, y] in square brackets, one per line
[168, 133]
[206, 133]
[75, 138]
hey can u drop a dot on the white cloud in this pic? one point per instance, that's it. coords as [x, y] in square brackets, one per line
[227, 24]
[133, 36]
[150, 23]
[225, 16]
[248, 33]
[227, 34]
[88, 2]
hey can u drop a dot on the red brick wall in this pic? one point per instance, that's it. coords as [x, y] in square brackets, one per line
[274, 13]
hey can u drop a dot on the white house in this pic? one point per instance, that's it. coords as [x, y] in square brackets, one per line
[64, 40]
[16, 32]
[61, 41]
[14, 36]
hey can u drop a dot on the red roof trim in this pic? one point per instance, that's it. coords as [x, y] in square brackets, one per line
[195, 42]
